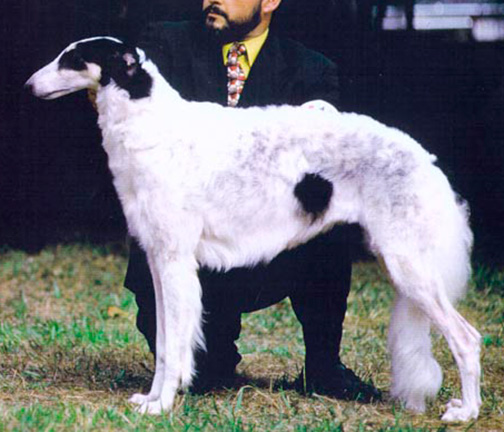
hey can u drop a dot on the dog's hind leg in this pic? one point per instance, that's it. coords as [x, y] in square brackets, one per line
[425, 291]
[178, 309]
[416, 375]
[464, 343]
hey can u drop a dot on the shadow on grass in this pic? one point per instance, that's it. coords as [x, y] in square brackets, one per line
[279, 385]
[104, 370]
[127, 370]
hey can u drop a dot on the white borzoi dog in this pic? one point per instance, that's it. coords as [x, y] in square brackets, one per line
[201, 184]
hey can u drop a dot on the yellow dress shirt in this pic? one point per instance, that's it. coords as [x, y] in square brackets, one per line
[253, 47]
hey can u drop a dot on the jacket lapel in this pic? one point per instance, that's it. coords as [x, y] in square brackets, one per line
[209, 73]
[265, 78]
[264, 83]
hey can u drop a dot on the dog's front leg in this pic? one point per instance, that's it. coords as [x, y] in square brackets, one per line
[178, 312]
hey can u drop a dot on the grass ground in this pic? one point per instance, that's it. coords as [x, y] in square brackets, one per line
[70, 355]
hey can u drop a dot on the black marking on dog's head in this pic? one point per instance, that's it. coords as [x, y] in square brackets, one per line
[314, 193]
[72, 60]
[119, 62]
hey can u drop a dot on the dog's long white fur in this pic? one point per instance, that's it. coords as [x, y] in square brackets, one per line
[201, 184]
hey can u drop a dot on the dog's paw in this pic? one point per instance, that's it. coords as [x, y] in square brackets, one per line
[457, 412]
[138, 399]
[150, 407]
[416, 405]
[454, 403]
[154, 407]
[151, 404]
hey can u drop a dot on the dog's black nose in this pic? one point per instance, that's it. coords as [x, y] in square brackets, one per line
[28, 88]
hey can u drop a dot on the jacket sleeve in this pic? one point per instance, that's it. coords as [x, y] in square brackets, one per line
[309, 75]
[155, 40]
[318, 79]
[325, 85]
[164, 43]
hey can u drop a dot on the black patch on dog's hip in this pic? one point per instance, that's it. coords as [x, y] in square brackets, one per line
[314, 193]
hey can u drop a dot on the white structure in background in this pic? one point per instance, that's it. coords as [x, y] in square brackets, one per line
[484, 19]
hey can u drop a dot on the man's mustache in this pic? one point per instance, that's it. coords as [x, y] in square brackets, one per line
[216, 10]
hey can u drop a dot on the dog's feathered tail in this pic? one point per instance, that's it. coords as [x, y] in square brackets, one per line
[416, 375]
[454, 256]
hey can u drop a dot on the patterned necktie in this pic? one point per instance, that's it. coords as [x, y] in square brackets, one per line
[235, 73]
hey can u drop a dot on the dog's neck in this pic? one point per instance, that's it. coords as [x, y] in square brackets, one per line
[117, 110]
[117, 107]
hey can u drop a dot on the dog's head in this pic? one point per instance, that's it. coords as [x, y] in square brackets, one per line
[91, 63]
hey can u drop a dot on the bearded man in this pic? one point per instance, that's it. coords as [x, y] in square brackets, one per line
[231, 58]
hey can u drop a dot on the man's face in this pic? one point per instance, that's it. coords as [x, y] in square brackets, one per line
[232, 20]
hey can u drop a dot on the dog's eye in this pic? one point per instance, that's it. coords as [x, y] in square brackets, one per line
[72, 60]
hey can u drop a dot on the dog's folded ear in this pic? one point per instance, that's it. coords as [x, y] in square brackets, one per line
[131, 63]
[126, 71]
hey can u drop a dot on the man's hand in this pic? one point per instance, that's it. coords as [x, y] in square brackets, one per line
[319, 104]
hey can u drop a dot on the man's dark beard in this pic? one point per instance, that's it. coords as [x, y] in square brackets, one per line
[234, 30]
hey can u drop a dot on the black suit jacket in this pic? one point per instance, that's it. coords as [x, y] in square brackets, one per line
[285, 72]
